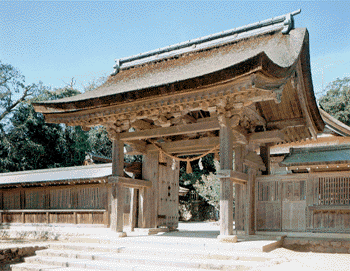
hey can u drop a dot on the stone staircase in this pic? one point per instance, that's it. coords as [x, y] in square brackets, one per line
[150, 253]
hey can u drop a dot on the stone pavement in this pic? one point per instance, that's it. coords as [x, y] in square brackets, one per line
[193, 247]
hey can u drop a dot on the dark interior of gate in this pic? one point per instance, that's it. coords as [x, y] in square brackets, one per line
[243, 90]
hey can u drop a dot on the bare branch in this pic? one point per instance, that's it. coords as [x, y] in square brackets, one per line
[13, 105]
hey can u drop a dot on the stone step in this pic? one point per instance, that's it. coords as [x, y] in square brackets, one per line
[41, 267]
[164, 243]
[81, 252]
[109, 261]
[33, 267]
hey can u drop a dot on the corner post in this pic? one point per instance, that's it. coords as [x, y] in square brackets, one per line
[117, 190]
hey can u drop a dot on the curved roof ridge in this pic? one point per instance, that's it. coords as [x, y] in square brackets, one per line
[270, 48]
[334, 124]
[284, 22]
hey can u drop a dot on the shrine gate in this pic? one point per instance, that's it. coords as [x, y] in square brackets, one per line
[240, 91]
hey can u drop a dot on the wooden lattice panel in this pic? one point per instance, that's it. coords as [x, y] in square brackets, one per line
[268, 191]
[334, 190]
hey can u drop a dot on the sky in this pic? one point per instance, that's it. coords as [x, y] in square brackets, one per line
[54, 42]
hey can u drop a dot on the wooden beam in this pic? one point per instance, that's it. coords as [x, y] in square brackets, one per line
[189, 119]
[253, 112]
[128, 182]
[266, 137]
[141, 124]
[234, 176]
[240, 135]
[281, 124]
[185, 146]
[171, 131]
[137, 147]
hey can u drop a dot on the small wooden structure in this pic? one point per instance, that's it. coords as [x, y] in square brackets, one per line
[76, 195]
[239, 91]
[309, 189]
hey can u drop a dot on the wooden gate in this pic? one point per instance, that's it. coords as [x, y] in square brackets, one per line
[168, 185]
[293, 206]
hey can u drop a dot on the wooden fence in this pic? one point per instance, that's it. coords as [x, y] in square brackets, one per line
[75, 204]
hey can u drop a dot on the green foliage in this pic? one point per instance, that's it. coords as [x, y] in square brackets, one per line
[336, 101]
[13, 89]
[99, 141]
[208, 187]
[30, 143]
[188, 179]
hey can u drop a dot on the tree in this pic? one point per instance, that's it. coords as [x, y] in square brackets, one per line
[13, 89]
[99, 141]
[336, 101]
[188, 179]
[95, 83]
[31, 143]
[208, 187]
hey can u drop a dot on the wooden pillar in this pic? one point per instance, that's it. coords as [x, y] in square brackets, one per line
[149, 196]
[117, 191]
[142, 206]
[254, 163]
[250, 207]
[109, 205]
[226, 186]
[239, 188]
[265, 156]
[133, 208]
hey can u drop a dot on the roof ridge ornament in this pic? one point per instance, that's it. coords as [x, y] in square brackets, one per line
[285, 22]
[288, 24]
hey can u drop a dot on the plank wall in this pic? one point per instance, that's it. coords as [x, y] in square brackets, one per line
[76, 204]
[314, 202]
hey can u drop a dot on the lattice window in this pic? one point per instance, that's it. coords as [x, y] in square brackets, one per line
[333, 190]
[294, 190]
[268, 191]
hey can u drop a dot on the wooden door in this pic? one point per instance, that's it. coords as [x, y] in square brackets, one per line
[293, 206]
[268, 206]
[168, 201]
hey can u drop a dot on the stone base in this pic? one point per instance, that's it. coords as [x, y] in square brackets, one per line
[228, 238]
[157, 230]
[121, 234]
[151, 231]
